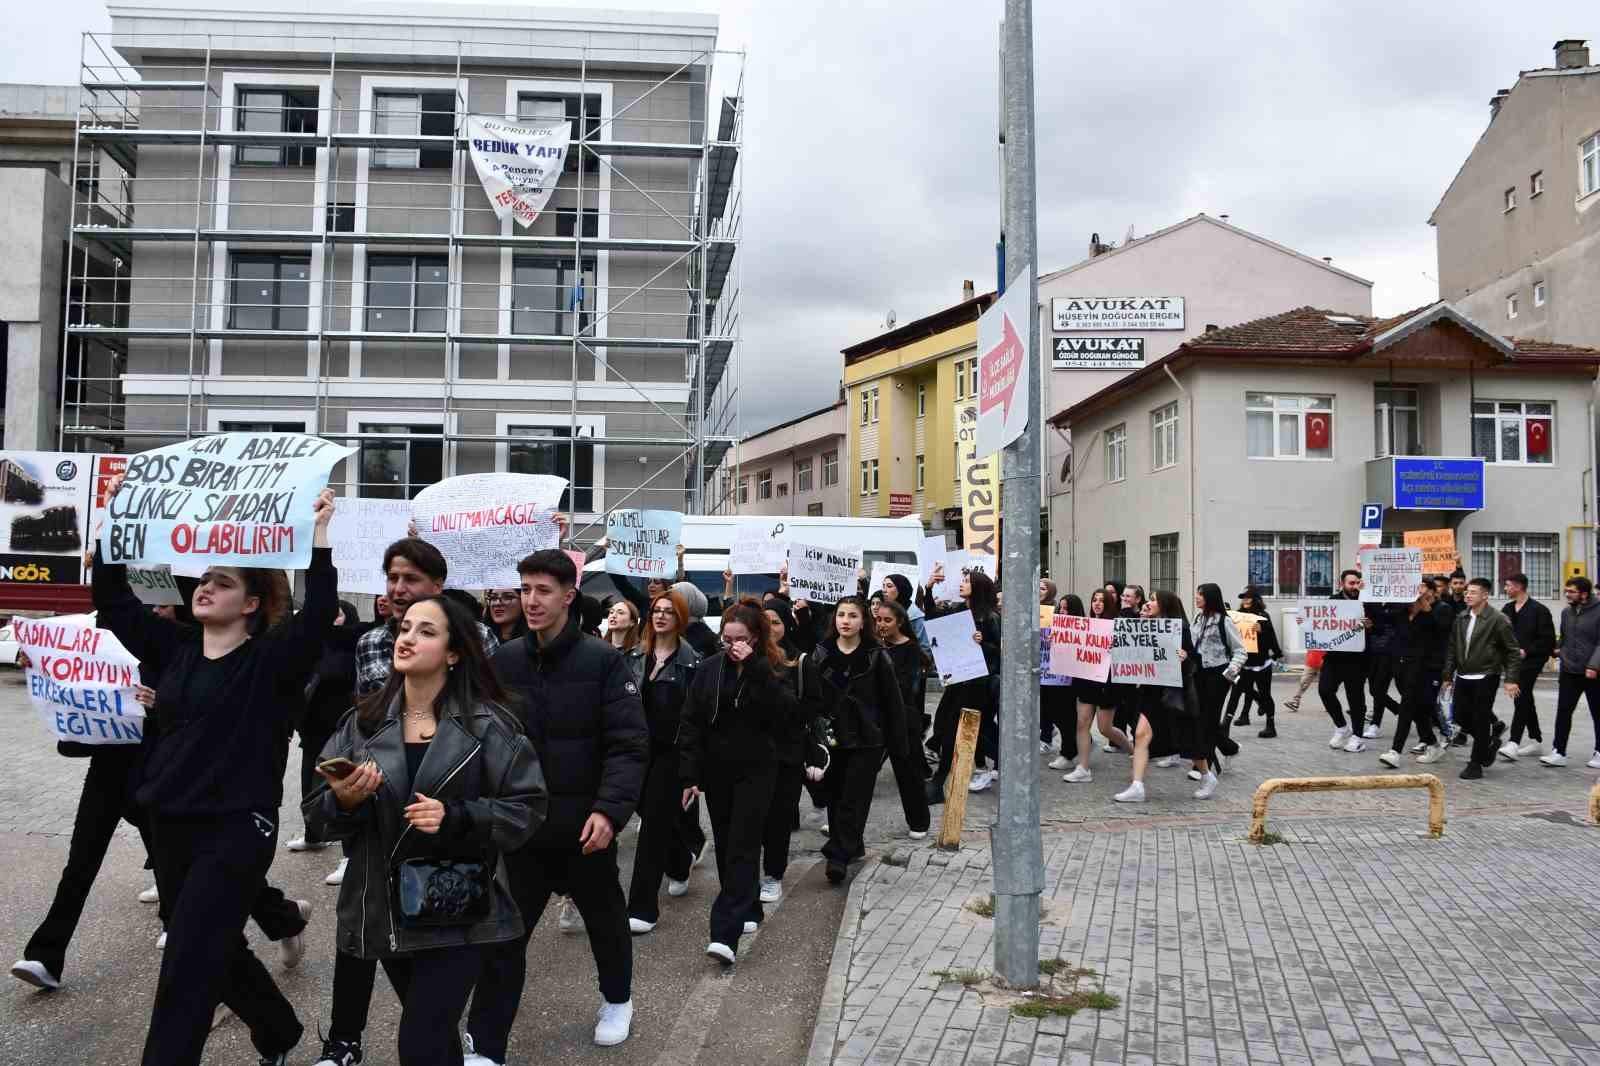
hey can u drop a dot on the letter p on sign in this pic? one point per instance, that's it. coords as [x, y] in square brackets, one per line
[1372, 516]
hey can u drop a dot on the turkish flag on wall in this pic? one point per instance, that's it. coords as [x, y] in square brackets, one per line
[1538, 436]
[1319, 430]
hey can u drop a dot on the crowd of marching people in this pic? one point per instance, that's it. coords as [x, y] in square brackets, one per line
[475, 760]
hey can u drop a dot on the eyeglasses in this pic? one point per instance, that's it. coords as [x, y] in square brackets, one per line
[502, 597]
[663, 612]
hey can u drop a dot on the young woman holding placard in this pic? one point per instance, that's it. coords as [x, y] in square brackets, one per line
[1097, 702]
[1167, 717]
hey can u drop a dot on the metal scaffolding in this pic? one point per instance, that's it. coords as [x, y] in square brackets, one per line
[626, 319]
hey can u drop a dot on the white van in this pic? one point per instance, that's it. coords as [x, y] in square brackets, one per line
[707, 539]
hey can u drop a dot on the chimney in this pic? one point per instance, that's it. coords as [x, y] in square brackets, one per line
[1496, 101]
[967, 291]
[1571, 54]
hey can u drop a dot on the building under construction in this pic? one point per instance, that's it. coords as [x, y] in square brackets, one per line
[285, 231]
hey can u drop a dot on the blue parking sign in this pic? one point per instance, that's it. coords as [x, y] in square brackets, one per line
[1372, 516]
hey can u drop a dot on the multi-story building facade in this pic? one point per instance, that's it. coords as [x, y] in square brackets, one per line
[793, 468]
[308, 246]
[1518, 229]
[1245, 455]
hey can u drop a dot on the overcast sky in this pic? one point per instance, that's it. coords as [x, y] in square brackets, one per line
[871, 174]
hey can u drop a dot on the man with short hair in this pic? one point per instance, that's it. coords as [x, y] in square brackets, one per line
[1482, 650]
[413, 570]
[1347, 668]
[1458, 589]
[1535, 631]
[581, 709]
[1579, 670]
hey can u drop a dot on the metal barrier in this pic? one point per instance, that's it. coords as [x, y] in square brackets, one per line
[1258, 814]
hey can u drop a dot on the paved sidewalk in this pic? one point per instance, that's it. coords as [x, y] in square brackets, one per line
[1354, 941]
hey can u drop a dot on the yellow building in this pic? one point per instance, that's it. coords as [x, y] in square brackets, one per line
[906, 390]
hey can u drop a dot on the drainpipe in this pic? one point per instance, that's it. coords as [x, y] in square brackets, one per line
[1194, 542]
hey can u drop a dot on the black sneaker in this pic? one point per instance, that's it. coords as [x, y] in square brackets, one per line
[280, 1059]
[1472, 772]
[1460, 740]
[1241, 721]
[1269, 732]
[339, 1053]
[836, 872]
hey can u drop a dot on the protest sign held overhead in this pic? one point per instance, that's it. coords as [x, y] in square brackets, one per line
[759, 548]
[1081, 647]
[957, 562]
[154, 586]
[81, 680]
[1249, 627]
[1391, 575]
[1144, 651]
[881, 570]
[1334, 625]
[486, 523]
[1005, 359]
[518, 163]
[1438, 549]
[822, 575]
[359, 531]
[235, 499]
[643, 544]
[930, 553]
[956, 656]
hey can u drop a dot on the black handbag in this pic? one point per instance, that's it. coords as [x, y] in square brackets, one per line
[430, 893]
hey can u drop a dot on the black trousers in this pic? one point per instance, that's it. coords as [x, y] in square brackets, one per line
[738, 798]
[1350, 671]
[353, 978]
[433, 987]
[537, 874]
[852, 776]
[1380, 674]
[661, 849]
[1474, 705]
[784, 814]
[1212, 689]
[311, 746]
[911, 778]
[1253, 686]
[213, 868]
[1419, 698]
[947, 722]
[107, 799]
[1569, 688]
[275, 914]
[1058, 710]
[1524, 716]
[690, 835]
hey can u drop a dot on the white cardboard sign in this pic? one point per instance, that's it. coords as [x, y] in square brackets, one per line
[486, 523]
[822, 575]
[360, 531]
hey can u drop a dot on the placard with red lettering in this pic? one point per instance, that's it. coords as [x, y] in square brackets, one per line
[1081, 647]
[1144, 651]
[1334, 625]
[643, 544]
[485, 524]
[80, 680]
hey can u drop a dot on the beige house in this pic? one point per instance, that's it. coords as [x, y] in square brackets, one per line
[1518, 230]
[791, 469]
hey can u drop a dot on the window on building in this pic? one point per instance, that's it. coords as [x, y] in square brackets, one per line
[1117, 452]
[1513, 431]
[401, 467]
[544, 291]
[1589, 166]
[549, 107]
[1536, 184]
[1497, 556]
[1511, 198]
[725, 487]
[1293, 564]
[961, 379]
[341, 218]
[802, 475]
[874, 403]
[407, 293]
[1164, 436]
[418, 114]
[1279, 426]
[270, 292]
[1114, 563]
[1511, 306]
[1539, 293]
[873, 466]
[1164, 563]
[226, 426]
[956, 466]
[922, 473]
[764, 485]
[548, 450]
[1397, 422]
[972, 377]
[276, 111]
[830, 468]
[744, 490]
[866, 406]
[922, 399]
[783, 489]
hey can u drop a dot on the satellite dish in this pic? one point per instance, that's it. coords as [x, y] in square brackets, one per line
[888, 320]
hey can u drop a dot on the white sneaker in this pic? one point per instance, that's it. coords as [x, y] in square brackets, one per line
[1208, 786]
[638, 926]
[917, 834]
[1355, 744]
[1371, 732]
[337, 877]
[1594, 761]
[469, 1055]
[1134, 793]
[161, 941]
[36, 974]
[1338, 738]
[1432, 753]
[1532, 747]
[294, 947]
[677, 888]
[1390, 758]
[150, 895]
[1555, 758]
[1509, 751]
[300, 843]
[616, 1019]
[1045, 748]
[569, 920]
[751, 927]
[1081, 776]
[771, 890]
[1193, 774]
[981, 781]
[1168, 762]
[1060, 762]
[823, 829]
[721, 952]
[1108, 747]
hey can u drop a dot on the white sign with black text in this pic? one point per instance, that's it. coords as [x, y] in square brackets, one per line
[1098, 353]
[1107, 313]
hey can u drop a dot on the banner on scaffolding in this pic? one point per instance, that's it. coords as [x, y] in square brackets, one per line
[518, 164]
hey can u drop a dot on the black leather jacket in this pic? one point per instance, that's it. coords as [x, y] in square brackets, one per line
[676, 673]
[490, 782]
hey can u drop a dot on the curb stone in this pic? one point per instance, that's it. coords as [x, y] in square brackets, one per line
[831, 1009]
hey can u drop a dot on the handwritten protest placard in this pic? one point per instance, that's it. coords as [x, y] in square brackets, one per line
[822, 575]
[959, 561]
[360, 531]
[1081, 647]
[956, 655]
[1334, 625]
[758, 548]
[235, 499]
[1438, 549]
[1144, 651]
[1046, 616]
[81, 680]
[881, 570]
[1391, 575]
[486, 523]
[930, 553]
[1249, 626]
[643, 543]
[154, 586]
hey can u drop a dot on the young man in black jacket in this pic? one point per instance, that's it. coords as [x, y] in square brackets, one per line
[580, 706]
[1347, 668]
[1535, 631]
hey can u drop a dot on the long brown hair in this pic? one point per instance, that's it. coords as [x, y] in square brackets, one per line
[748, 612]
[680, 611]
[467, 684]
[630, 636]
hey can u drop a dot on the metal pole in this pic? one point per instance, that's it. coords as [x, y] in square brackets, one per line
[1014, 839]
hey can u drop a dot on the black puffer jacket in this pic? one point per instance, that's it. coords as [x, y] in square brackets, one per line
[717, 727]
[580, 706]
[864, 697]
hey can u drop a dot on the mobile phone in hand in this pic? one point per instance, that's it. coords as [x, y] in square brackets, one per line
[338, 768]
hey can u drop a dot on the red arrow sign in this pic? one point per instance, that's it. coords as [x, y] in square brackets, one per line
[998, 370]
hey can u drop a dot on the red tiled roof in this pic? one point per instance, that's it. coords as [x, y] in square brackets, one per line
[1309, 330]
